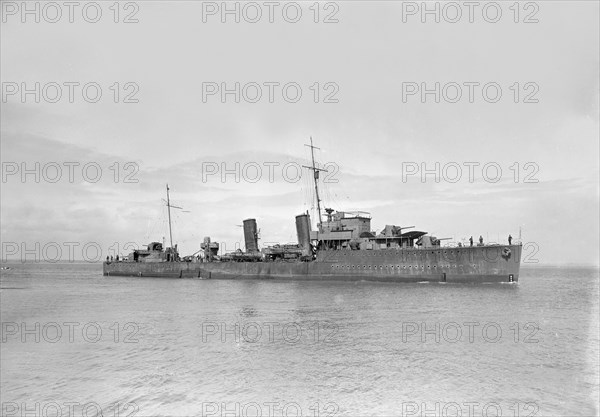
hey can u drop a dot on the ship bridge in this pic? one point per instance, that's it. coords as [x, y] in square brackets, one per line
[343, 226]
[352, 229]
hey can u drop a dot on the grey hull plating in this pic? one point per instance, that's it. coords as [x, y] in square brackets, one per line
[496, 263]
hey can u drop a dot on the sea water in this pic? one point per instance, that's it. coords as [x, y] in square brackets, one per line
[77, 343]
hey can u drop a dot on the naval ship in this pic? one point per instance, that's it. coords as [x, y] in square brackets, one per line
[343, 246]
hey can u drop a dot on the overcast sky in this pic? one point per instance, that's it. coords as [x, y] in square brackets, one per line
[365, 121]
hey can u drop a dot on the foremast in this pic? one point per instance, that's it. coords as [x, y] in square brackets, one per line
[169, 211]
[169, 205]
[316, 179]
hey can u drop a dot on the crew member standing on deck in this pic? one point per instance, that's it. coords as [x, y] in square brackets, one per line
[480, 240]
[471, 240]
[509, 239]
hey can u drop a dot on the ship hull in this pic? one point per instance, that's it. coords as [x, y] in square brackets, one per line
[484, 264]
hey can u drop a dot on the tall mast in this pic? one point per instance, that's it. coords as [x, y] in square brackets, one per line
[316, 177]
[169, 207]
[169, 210]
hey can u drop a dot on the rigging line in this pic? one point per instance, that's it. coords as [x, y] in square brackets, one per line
[155, 226]
[152, 223]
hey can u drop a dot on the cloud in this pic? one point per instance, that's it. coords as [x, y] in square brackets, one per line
[171, 134]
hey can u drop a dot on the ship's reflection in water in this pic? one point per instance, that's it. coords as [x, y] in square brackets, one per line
[344, 348]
